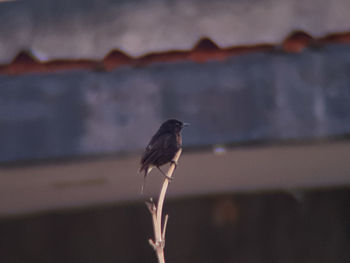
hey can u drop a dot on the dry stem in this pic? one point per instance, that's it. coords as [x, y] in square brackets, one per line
[156, 211]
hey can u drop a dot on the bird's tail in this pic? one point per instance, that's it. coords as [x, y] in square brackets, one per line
[147, 171]
[144, 182]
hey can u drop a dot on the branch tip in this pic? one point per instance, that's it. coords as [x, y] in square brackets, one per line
[164, 227]
[151, 207]
[153, 245]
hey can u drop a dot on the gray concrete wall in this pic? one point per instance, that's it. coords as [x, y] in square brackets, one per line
[267, 96]
[263, 97]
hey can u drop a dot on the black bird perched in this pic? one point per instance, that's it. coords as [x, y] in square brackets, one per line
[162, 148]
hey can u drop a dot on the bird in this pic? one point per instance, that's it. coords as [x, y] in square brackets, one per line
[162, 148]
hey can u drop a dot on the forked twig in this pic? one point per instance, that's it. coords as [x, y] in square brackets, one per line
[158, 243]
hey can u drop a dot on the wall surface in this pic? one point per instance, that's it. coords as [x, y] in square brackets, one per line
[255, 97]
[56, 185]
[91, 28]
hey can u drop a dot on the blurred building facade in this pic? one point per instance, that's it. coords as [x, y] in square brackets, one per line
[265, 173]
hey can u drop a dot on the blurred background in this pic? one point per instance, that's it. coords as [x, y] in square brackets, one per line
[265, 172]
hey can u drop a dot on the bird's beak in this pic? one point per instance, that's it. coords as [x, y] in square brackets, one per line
[185, 124]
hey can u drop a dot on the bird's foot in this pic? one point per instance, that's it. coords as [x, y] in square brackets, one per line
[174, 163]
[166, 176]
[169, 178]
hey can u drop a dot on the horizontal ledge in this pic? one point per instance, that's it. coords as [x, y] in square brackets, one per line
[78, 184]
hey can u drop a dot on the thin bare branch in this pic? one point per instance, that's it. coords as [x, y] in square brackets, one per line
[156, 211]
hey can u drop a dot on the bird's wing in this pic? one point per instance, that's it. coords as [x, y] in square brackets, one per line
[154, 150]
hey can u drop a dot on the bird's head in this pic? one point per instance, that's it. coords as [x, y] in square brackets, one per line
[172, 125]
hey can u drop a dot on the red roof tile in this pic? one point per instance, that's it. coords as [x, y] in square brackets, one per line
[297, 41]
[116, 58]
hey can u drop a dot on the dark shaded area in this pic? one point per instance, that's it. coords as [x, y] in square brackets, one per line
[306, 226]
